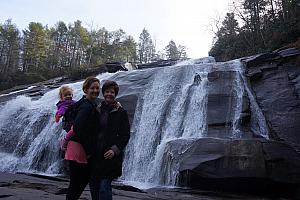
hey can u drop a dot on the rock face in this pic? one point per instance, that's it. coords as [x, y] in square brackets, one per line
[252, 165]
[222, 92]
[276, 84]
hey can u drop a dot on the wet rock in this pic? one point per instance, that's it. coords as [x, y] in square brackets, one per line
[254, 74]
[218, 106]
[34, 94]
[245, 118]
[160, 63]
[276, 86]
[257, 60]
[221, 102]
[278, 97]
[252, 165]
[21, 186]
[288, 52]
[268, 67]
[295, 79]
[129, 103]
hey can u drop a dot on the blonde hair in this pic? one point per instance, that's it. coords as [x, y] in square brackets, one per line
[63, 90]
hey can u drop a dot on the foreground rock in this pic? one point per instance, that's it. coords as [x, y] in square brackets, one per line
[249, 165]
[26, 187]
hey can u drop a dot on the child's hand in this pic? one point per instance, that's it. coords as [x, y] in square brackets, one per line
[57, 117]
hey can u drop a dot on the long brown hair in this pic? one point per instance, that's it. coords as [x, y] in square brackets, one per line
[88, 82]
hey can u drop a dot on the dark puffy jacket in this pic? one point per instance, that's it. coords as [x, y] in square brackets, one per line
[86, 125]
[116, 138]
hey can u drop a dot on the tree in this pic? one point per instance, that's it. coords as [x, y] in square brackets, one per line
[265, 26]
[129, 46]
[182, 52]
[34, 47]
[225, 46]
[79, 40]
[172, 50]
[174, 53]
[9, 47]
[146, 47]
[60, 46]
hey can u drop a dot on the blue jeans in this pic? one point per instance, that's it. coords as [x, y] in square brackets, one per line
[101, 190]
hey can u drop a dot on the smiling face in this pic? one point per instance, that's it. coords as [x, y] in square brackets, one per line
[109, 95]
[68, 94]
[93, 91]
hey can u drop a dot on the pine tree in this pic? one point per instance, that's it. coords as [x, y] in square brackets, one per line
[35, 47]
[146, 48]
[226, 43]
[9, 47]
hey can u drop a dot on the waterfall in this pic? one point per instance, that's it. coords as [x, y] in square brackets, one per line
[171, 114]
[173, 106]
[29, 135]
[239, 93]
[258, 120]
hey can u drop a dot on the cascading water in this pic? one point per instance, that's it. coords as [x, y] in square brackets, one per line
[29, 135]
[239, 93]
[172, 109]
[258, 121]
[166, 111]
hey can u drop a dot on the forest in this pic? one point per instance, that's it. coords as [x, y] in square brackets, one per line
[40, 52]
[256, 26]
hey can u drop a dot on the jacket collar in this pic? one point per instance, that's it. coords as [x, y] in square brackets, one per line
[115, 107]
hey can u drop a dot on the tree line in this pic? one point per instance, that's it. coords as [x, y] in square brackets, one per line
[40, 52]
[256, 26]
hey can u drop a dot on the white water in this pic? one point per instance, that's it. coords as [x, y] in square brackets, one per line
[29, 135]
[258, 121]
[239, 93]
[172, 106]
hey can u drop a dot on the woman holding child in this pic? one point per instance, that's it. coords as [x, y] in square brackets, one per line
[98, 138]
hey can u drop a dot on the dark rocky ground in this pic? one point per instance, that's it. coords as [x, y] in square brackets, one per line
[28, 187]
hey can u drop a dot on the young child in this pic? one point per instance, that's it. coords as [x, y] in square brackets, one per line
[65, 101]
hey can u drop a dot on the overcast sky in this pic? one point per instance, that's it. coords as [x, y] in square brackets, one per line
[184, 21]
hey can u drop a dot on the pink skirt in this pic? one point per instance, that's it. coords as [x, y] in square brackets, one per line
[75, 152]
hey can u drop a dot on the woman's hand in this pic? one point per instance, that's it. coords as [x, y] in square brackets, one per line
[119, 105]
[109, 154]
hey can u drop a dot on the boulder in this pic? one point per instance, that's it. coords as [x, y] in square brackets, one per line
[250, 165]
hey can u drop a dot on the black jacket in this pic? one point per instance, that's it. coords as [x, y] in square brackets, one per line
[115, 137]
[86, 125]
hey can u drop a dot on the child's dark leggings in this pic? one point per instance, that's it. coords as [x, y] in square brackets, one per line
[79, 178]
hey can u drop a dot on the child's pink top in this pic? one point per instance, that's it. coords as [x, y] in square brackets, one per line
[75, 152]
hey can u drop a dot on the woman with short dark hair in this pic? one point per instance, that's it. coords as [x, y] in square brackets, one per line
[112, 139]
